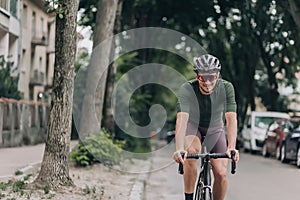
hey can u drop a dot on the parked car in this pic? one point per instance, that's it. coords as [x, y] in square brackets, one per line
[290, 150]
[275, 134]
[256, 124]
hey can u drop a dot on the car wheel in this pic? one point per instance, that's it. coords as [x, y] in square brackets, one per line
[251, 149]
[298, 157]
[283, 155]
[246, 150]
[278, 152]
[265, 151]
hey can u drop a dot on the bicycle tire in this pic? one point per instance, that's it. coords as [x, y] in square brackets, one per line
[199, 187]
[203, 194]
[207, 195]
[205, 178]
[198, 192]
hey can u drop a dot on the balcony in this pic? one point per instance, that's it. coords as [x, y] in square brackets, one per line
[40, 4]
[37, 78]
[39, 41]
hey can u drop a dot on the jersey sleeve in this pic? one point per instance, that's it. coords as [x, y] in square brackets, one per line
[230, 98]
[183, 103]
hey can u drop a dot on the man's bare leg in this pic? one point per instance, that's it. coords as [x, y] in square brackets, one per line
[219, 167]
[192, 145]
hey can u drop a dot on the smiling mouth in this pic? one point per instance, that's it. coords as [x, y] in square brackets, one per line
[208, 86]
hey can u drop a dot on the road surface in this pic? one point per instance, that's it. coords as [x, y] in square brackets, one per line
[257, 178]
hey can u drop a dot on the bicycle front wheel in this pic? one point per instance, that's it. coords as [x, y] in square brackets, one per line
[202, 193]
[206, 194]
[198, 193]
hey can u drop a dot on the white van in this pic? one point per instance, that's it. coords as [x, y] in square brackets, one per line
[255, 126]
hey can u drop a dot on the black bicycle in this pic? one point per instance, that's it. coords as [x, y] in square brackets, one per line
[203, 190]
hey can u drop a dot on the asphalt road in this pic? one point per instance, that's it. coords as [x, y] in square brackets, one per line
[257, 178]
[164, 182]
[260, 178]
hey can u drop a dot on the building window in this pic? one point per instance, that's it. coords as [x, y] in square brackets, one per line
[41, 71]
[32, 65]
[33, 24]
[42, 26]
[24, 20]
[4, 4]
[13, 7]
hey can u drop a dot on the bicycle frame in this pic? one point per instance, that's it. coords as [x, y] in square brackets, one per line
[204, 181]
[203, 189]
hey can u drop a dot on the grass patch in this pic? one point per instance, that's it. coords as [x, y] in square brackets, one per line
[18, 173]
[18, 186]
[3, 185]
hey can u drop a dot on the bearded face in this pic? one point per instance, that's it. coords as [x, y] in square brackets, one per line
[207, 81]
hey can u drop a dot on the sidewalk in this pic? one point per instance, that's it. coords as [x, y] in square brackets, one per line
[100, 181]
[21, 158]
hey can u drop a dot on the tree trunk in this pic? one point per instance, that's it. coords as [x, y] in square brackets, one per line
[55, 169]
[108, 121]
[295, 10]
[97, 71]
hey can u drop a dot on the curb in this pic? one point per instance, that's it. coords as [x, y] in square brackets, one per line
[139, 187]
[30, 168]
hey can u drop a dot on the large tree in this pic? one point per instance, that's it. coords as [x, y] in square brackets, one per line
[255, 40]
[108, 119]
[295, 11]
[92, 106]
[54, 171]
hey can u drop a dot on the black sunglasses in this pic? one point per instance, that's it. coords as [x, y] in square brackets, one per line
[210, 77]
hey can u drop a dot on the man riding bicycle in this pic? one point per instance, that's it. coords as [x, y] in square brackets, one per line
[202, 105]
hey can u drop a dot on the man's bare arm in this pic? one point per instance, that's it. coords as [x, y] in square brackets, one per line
[181, 124]
[231, 126]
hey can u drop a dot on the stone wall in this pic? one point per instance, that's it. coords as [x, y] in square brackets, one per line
[22, 122]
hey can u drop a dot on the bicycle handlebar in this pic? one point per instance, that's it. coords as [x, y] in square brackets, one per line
[210, 155]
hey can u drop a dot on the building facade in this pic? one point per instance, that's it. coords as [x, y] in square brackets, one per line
[27, 38]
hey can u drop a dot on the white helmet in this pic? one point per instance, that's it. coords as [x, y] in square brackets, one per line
[206, 63]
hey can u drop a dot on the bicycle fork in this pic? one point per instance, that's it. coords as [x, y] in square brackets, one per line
[206, 182]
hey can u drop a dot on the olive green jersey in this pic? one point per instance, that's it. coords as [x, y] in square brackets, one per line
[206, 110]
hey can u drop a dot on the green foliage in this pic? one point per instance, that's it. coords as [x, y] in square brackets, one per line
[55, 6]
[80, 65]
[18, 186]
[3, 185]
[18, 172]
[89, 11]
[88, 190]
[46, 189]
[26, 178]
[97, 148]
[250, 38]
[147, 95]
[9, 83]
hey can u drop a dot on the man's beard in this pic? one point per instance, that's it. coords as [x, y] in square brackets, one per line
[207, 88]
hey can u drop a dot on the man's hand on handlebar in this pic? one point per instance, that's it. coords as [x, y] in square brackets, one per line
[236, 156]
[177, 156]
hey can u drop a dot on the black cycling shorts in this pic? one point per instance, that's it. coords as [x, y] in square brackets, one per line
[213, 137]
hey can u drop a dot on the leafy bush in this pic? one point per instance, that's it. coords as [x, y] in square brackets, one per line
[97, 148]
[9, 83]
